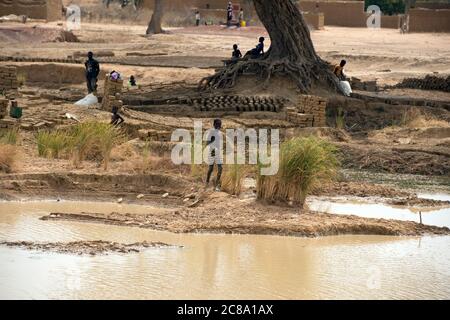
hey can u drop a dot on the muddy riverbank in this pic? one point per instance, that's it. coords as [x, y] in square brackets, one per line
[181, 205]
[221, 213]
[91, 248]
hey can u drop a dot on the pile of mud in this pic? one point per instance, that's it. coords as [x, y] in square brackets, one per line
[35, 34]
[84, 247]
[428, 83]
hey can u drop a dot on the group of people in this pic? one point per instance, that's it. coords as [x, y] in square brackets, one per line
[92, 67]
[254, 53]
[240, 17]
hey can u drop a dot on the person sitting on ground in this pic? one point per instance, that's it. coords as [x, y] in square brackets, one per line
[92, 71]
[236, 55]
[214, 142]
[258, 51]
[339, 71]
[132, 81]
[197, 18]
[344, 84]
[116, 119]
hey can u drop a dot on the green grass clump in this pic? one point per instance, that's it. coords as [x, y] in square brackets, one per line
[304, 164]
[81, 141]
[52, 143]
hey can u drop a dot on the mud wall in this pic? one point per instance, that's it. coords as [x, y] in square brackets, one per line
[338, 13]
[315, 20]
[213, 4]
[53, 73]
[432, 5]
[429, 20]
[172, 5]
[8, 78]
[36, 9]
[390, 22]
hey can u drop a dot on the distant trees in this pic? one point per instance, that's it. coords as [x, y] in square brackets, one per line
[389, 7]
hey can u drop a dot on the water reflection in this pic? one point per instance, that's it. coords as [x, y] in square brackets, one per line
[215, 266]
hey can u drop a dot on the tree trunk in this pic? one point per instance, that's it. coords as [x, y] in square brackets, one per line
[291, 52]
[154, 26]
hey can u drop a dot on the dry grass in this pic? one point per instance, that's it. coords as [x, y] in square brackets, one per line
[233, 177]
[416, 118]
[305, 163]
[8, 157]
[148, 161]
[340, 118]
[10, 136]
[94, 140]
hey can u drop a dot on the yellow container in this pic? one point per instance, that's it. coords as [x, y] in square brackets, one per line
[243, 23]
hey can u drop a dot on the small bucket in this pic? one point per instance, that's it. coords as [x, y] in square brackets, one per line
[15, 111]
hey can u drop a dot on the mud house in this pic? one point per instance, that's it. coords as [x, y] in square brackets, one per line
[429, 20]
[49, 10]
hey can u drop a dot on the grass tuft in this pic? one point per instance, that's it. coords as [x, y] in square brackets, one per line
[304, 164]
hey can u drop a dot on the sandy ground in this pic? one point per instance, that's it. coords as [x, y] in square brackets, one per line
[384, 54]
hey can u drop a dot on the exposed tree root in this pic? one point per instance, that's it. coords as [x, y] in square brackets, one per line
[291, 53]
[302, 73]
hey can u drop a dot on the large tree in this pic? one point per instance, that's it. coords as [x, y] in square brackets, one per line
[291, 52]
[154, 25]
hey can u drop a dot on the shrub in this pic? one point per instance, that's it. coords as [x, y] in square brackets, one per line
[304, 164]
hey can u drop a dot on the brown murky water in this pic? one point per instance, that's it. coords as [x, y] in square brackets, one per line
[213, 266]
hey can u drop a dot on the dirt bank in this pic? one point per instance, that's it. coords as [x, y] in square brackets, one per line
[221, 213]
[91, 248]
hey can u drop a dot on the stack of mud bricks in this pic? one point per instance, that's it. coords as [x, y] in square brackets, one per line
[154, 135]
[308, 112]
[239, 104]
[8, 79]
[3, 107]
[112, 94]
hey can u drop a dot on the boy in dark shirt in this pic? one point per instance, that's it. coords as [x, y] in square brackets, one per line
[92, 71]
[236, 53]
